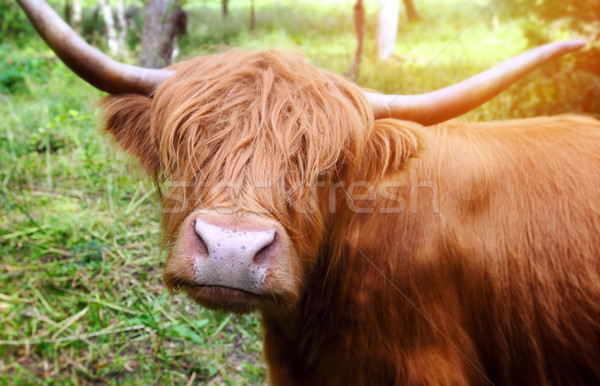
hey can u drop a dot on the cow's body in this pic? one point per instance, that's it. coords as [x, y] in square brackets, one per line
[502, 285]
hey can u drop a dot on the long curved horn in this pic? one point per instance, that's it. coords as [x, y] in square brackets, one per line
[450, 102]
[89, 63]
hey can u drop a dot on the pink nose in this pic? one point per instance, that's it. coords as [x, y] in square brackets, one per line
[223, 243]
[237, 257]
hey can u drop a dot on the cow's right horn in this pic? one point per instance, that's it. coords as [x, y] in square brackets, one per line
[450, 102]
[89, 63]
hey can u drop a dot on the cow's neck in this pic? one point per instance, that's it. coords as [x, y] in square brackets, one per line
[343, 294]
[324, 326]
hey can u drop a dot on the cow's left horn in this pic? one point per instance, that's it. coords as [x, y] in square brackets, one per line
[450, 102]
[90, 64]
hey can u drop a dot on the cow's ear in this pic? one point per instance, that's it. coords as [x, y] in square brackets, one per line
[391, 143]
[127, 119]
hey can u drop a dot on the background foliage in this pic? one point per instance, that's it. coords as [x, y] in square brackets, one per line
[81, 299]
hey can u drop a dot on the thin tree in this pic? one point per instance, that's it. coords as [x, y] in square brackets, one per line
[122, 23]
[160, 30]
[76, 17]
[73, 14]
[225, 8]
[111, 31]
[387, 28]
[411, 11]
[359, 26]
[252, 16]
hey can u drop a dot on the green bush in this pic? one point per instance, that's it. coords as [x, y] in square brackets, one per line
[11, 80]
[18, 66]
[13, 21]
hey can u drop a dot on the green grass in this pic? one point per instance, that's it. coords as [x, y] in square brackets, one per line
[81, 298]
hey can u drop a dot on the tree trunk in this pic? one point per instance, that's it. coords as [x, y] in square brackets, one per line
[180, 30]
[122, 35]
[76, 16]
[95, 21]
[252, 16]
[68, 12]
[159, 33]
[359, 26]
[109, 25]
[224, 8]
[411, 11]
[387, 28]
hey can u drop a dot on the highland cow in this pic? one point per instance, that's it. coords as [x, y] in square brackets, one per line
[381, 245]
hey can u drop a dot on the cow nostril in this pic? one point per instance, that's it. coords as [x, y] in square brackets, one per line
[200, 244]
[261, 256]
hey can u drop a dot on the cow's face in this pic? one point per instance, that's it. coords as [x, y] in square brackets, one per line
[247, 145]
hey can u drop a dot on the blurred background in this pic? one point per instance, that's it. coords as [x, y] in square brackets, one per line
[81, 299]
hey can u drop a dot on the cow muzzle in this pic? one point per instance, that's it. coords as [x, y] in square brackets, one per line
[233, 258]
[230, 262]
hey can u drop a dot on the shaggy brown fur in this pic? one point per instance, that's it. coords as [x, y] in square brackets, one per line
[246, 131]
[473, 259]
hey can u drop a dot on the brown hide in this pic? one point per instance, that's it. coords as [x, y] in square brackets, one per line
[496, 281]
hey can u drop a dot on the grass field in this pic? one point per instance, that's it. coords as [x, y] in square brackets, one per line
[81, 298]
